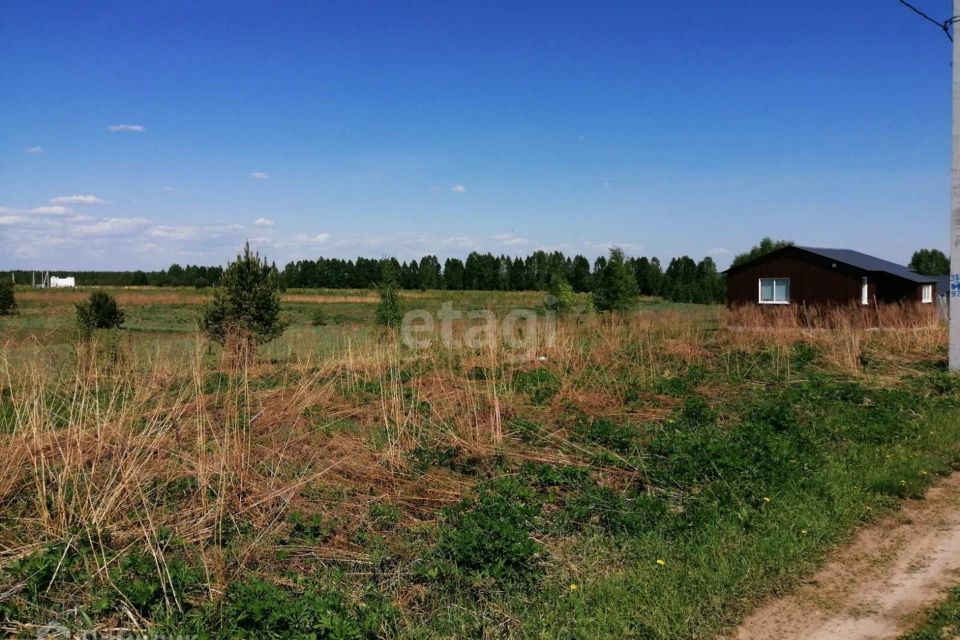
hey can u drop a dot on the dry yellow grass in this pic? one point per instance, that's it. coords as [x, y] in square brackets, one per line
[104, 442]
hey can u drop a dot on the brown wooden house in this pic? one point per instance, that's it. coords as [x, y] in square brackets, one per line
[807, 275]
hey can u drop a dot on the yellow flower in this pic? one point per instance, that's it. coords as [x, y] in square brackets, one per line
[573, 586]
[923, 473]
[803, 531]
[661, 562]
[766, 499]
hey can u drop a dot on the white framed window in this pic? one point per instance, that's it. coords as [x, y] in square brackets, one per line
[864, 292]
[926, 293]
[774, 290]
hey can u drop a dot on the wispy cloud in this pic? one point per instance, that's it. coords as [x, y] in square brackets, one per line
[259, 175]
[87, 199]
[33, 150]
[304, 239]
[263, 222]
[168, 189]
[111, 227]
[55, 210]
[12, 219]
[718, 252]
[131, 128]
[458, 188]
[463, 242]
[509, 239]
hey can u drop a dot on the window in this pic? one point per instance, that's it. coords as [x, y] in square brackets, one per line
[927, 293]
[864, 292]
[774, 291]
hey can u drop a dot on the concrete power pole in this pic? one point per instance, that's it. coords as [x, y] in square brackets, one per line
[954, 293]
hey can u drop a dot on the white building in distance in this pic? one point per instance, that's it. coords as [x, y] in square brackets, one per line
[62, 283]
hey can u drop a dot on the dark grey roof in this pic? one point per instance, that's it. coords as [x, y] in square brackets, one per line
[868, 263]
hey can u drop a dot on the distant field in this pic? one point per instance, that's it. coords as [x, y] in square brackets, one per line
[651, 475]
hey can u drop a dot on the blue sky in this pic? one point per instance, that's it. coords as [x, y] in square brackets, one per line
[386, 128]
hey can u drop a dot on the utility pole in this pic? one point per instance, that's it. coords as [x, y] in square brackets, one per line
[954, 293]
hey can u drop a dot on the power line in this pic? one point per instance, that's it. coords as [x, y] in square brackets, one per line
[945, 25]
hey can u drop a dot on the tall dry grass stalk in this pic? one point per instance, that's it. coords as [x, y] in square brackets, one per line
[126, 439]
[844, 333]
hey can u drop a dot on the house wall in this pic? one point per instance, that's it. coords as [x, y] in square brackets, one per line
[894, 289]
[810, 283]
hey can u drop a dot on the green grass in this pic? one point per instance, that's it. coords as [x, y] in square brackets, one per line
[942, 622]
[730, 513]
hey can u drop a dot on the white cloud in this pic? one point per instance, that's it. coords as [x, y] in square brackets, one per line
[464, 242]
[175, 232]
[719, 251]
[12, 219]
[259, 175]
[458, 188]
[112, 227]
[304, 239]
[87, 199]
[133, 128]
[33, 150]
[55, 210]
[509, 239]
[168, 189]
[263, 222]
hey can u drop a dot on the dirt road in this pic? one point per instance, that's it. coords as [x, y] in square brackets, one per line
[876, 586]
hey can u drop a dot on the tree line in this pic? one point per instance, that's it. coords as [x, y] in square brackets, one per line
[683, 279]
[175, 276]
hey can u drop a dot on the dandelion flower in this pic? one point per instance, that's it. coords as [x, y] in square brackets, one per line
[803, 532]
[573, 586]
[766, 499]
[661, 562]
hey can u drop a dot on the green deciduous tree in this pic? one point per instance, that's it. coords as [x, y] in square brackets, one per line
[614, 287]
[930, 262]
[564, 299]
[246, 304]
[767, 245]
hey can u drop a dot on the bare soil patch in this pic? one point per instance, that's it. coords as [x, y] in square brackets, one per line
[875, 586]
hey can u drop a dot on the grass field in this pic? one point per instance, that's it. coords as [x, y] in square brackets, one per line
[645, 476]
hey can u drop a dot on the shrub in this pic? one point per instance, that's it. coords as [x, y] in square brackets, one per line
[564, 299]
[247, 302]
[615, 287]
[99, 312]
[8, 303]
